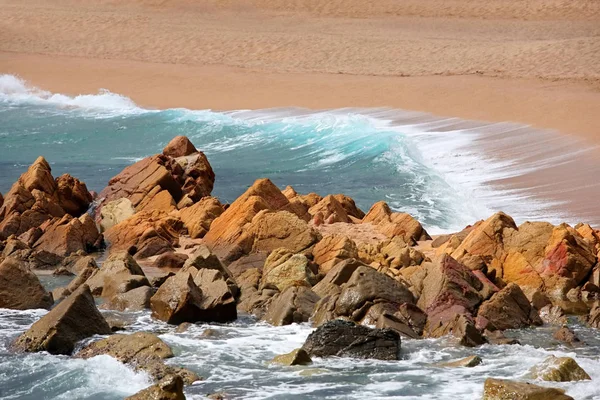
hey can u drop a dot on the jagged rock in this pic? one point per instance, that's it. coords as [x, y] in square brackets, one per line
[73, 195]
[593, 318]
[114, 212]
[203, 258]
[218, 299]
[118, 274]
[284, 269]
[229, 236]
[198, 217]
[68, 235]
[331, 250]
[408, 320]
[559, 369]
[468, 362]
[553, 315]
[350, 206]
[136, 299]
[498, 338]
[169, 388]
[1, 200]
[251, 261]
[170, 260]
[20, 289]
[395, 224]
[179, 146]
[566, 335]
[294, 305]
[501, 389]
[336, 277]
[507, 309]
[330, 209]
[345, 339]
[295, 357]
[73, 319]
[150, 232]
[460, 326]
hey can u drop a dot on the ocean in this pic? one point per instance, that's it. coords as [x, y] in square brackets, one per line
[446, 172]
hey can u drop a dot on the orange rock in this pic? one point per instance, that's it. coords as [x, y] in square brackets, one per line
[73, 195]
[179, 146]
[67, 235]
[1, 200]
[226, 231]
[331, 250]
[395, 224]
[349, 206]
[199, 217]
[39, 176]
[150, 232]
[157, 199]
[331, 210]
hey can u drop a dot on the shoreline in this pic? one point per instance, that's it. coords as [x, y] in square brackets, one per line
[569, 108]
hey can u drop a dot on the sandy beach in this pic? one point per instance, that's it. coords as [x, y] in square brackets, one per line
[529, 62]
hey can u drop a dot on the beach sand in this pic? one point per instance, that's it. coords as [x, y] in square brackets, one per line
[534, 62]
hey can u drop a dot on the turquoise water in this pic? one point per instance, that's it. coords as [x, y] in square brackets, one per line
[322, 152]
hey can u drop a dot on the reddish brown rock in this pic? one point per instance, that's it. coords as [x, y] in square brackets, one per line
[349, 205]
[507, 309]
[119, 267]
[133, 300]
[1, 200]
[199, 217]
[67, 235]
[293, 305]
[395, 224]
[330, 209]
[177, 300]
[179, 146]
[73, 319]
[170, 260]
[73, 195]
[20, 289]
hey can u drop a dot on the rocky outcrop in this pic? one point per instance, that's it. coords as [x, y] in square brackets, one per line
[345, 339]
[73, 319]
[169, 388]
[294, 305]
[558, 369]
[142, 350]
[198, 217]
[37, 197]
[535, 255]
[393, 224]
[284, 269]
[330, 210]
[507, 309]
[20, 289]
[243, 228]
[148, 233]
[501, 389]
[161, 181]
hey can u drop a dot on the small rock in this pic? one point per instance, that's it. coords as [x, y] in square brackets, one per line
[20, 289]
[296, 357]
[501, 389]
[170, 388]
[559, 369]
[566, 335]
[467, 362]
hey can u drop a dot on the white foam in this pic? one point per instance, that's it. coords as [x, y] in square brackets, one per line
[16, 90]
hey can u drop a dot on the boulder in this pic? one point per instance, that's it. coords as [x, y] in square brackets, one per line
[294, 305]
[20, 289]
[73, 319]
[203, 258]
[169, 388]
[331, 250]
[395, 224]
[295, 357]
[501, 389]
[218, 299]
[170, 260]
[133, 300]
[284, 269]
[68, 235]
[177, 300]
[566, 335]
[350, 206]
[461, 326]
[114, 212]
[198, 217]
[336, 277]
[593, 318]
[507, 309]
[558, 369]
[345, 339]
